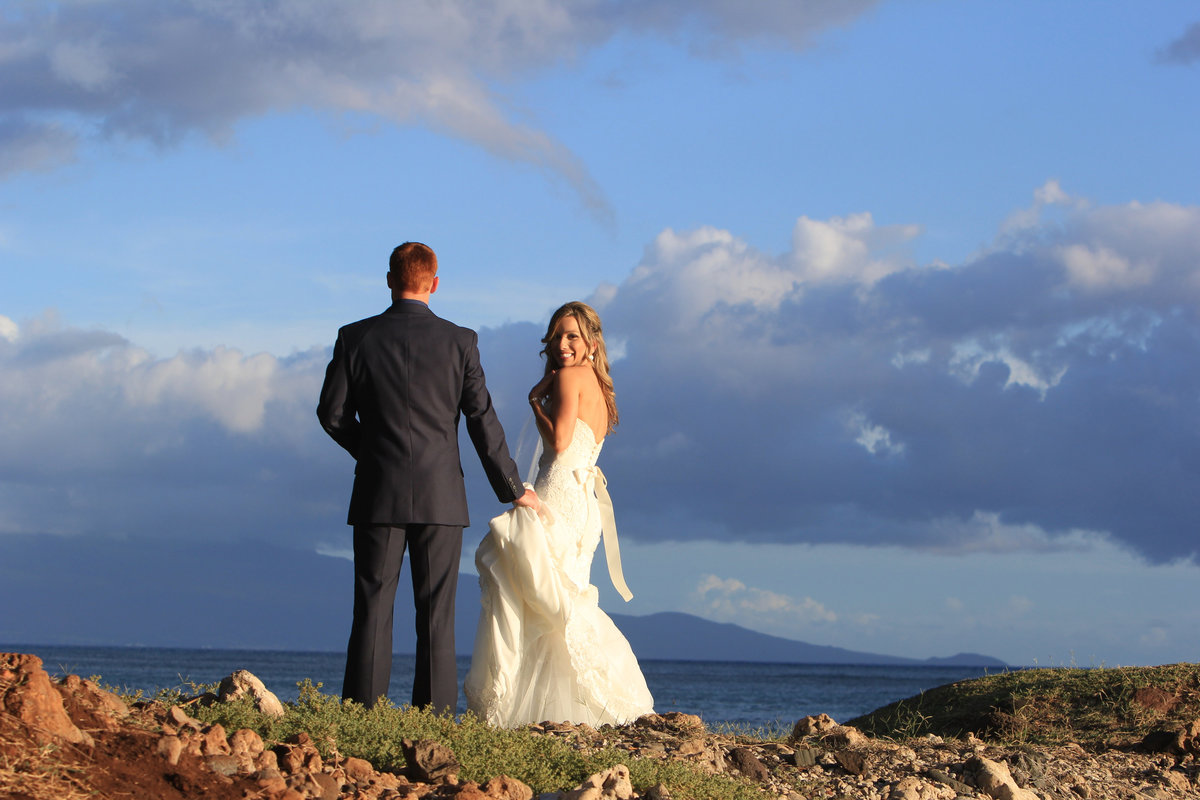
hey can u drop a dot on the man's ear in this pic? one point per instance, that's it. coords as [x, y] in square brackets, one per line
[433, 285]
[389, 280]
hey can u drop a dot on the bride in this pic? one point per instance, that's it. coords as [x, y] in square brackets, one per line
[543, 649]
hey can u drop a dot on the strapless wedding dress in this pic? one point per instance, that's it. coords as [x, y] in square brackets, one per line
[543, 649]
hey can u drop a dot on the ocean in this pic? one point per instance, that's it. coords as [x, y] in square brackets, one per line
[740, 693]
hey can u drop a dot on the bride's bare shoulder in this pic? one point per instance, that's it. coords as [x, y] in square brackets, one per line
[581, 375]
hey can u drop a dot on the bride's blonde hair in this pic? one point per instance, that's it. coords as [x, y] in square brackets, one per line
[593, 336]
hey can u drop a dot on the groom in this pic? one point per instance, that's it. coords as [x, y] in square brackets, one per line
[393, 394]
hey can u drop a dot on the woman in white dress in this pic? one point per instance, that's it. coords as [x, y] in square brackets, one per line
[543, 649]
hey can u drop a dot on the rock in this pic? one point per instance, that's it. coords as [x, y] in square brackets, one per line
[502, 787]
[744, 761]
[1178, 741]
[941, 777]
[358, 770]
[271, 784]
[842, 736]
[993, 778]
[909, 788]
[27, 694]
[813, 726]
[214, 742]
[429, 762]
[170, 748]
[1176, 780]
[246, 741]
[180, 719]
[90, 705]
[611, 784]
[852, 762]
[330, 789]
[242, 683]
[804, 757]
[298, 754]
[223, 764]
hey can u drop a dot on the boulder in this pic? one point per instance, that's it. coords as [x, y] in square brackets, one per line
[242, 683]
[611, 784]
[429, 761]
[993, 779]
[90, 705]
[27, 694]
[813, 726]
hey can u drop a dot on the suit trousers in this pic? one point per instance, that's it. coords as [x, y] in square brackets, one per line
[434, 558]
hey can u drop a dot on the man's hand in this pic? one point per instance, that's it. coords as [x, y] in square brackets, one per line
[529, 500]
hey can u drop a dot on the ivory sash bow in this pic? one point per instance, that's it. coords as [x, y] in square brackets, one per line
[594, 482]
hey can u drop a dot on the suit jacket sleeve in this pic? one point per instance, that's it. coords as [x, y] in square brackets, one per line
[483, 426]
[336, 409]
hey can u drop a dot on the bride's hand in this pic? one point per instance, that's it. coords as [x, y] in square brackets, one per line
[541, 389]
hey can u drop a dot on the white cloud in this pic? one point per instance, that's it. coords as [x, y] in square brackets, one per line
[234, 389]
[849, 249]
[143, 69]
[970, 356]
[1103, 268]
[1045, 197]
[8, 329]
[875, 439]
[730, 600]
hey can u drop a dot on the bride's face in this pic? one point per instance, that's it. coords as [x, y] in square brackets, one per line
[568, 346]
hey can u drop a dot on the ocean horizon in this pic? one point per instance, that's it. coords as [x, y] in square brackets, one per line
[757, 694]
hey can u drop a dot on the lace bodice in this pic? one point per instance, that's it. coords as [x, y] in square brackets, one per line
[561, 486]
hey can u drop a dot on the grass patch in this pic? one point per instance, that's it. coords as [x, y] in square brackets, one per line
[1092, 707]
[545, 763]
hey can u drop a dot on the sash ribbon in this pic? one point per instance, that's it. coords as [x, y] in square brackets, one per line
[594, 482]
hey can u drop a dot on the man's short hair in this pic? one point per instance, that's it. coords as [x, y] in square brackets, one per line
[413, 266]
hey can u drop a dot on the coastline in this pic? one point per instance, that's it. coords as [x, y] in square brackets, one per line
[181, 750]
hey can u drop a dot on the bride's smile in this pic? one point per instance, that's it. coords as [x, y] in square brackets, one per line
[572, 349]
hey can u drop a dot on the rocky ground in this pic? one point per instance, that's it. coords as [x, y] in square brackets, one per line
[71, 739]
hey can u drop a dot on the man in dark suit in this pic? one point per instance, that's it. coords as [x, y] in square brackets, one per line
[393, 394]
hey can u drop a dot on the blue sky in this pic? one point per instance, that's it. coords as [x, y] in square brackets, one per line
[905, 293]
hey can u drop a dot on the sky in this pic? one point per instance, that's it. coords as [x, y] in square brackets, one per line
[903, 296]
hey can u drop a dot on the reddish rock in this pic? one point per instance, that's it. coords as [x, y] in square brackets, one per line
[27, 694]
[502, 787]
[90, 706]
[358, 770]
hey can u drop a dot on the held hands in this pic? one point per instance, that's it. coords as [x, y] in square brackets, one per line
[529, 500]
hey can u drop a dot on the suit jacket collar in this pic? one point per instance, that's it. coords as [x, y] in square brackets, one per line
[408, 307]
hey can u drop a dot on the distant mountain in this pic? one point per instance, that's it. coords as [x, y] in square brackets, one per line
[676, 636]
[254, 596]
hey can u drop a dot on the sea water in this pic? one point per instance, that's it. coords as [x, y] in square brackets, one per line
[758, 695]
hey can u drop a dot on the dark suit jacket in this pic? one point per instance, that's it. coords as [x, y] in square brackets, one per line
[394, 391]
